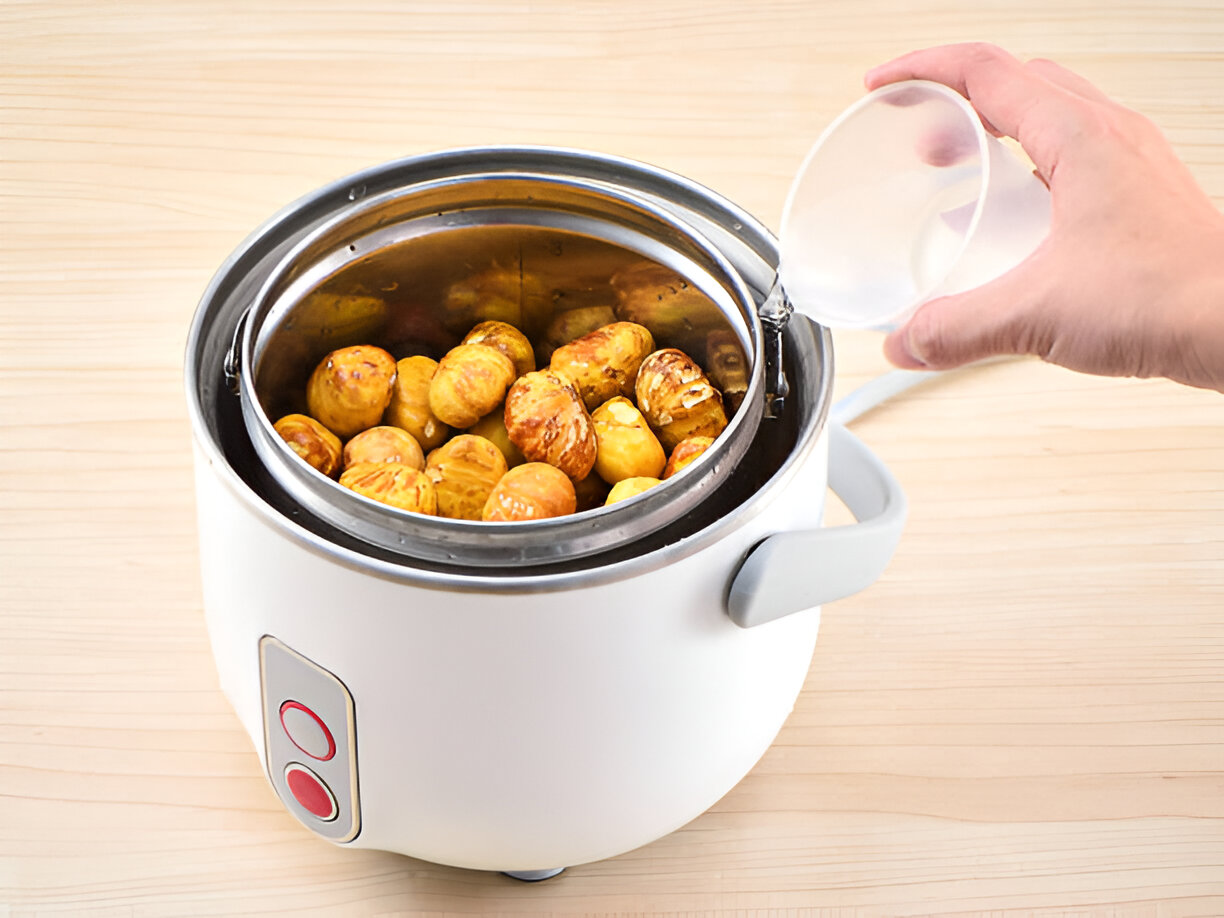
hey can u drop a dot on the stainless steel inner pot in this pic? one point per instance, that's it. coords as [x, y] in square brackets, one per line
[386, 257]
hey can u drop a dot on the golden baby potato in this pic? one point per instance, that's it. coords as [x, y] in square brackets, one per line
[507, 339]
[570, 325]
[604, 363]
[533, 491]
[384, 444]
[350, 388]
[409, 405]
[625, 446]
[677, 399]
[685, 452]
[493, 428]
[471, 380]
[629, 487]
[312, 441]
[546, 419]
[464, 471]
[394, 484]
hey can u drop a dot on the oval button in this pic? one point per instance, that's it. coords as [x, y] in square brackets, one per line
[309, 790]
[307, 731]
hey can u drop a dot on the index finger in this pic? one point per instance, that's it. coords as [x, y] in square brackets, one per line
[1008, 96]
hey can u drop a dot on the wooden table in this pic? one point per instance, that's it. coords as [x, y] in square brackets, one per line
[1025, 716]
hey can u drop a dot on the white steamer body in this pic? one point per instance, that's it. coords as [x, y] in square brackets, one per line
[519, 730]
[527, 718]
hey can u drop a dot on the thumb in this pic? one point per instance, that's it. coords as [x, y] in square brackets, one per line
[1001, 317]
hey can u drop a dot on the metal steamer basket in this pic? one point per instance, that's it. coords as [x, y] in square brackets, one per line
[518, 696]
[415, 267]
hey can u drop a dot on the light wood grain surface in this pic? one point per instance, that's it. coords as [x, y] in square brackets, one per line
[1025, 716]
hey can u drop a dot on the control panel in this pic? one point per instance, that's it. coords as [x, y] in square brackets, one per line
[310, 740]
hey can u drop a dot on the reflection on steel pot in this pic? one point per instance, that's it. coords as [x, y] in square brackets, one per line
[519, 696]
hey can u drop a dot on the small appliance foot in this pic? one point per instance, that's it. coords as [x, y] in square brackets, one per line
[533, 876]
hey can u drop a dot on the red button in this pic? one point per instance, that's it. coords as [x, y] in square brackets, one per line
[309, 790]
[307, 731]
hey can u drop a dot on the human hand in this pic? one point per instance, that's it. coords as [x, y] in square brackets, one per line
[1130, 280]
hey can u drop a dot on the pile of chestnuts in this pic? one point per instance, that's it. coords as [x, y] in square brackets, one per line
[482, 434]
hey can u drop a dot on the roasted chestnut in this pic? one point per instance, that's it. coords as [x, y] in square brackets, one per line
[471, 380]
[312, 441]
[677, 399]
[685, 452]
[532, 491]
[546, 419]
[493, 428]
[463, 471]
[350, 388]
[384, 444]
[625, 445]
[570, 325]
[629, 487]
[507, 339]
[604, 363]
[409, 406]
[392, 483]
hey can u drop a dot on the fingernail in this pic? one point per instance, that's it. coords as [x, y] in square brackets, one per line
[899, 349]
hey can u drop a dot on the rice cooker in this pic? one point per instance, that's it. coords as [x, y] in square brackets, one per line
[519, 697]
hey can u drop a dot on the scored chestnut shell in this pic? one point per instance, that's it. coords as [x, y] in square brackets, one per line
[317, 445]
[392, 483]
[350, 388]
[533, 491]
[677, 399]
[546, 419]
[464, 471]
[471, 380]
[604, 363]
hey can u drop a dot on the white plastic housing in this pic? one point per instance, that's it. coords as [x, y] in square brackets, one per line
[519, 731]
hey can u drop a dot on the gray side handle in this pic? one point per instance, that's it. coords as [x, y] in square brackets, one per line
[792, 571]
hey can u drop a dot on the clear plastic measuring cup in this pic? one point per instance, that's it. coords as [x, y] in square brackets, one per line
[903, 198]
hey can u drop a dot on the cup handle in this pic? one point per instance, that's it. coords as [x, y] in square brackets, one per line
[791, 571]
